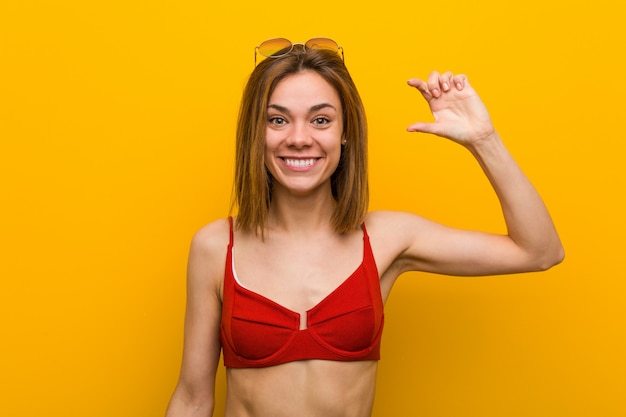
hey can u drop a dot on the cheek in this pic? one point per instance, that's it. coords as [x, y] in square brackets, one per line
[272, 139]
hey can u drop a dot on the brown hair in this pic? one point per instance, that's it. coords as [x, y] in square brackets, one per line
[252, 192]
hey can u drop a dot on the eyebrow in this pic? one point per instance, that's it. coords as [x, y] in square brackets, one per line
[312, 109]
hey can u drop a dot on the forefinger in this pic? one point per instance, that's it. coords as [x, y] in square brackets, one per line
[421, 86]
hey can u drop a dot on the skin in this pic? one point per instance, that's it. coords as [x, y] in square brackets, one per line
[289, 266]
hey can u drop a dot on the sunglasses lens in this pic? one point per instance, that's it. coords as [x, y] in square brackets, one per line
[275, 47]
[322, 43]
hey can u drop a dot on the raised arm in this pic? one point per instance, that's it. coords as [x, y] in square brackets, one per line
[195, 392]
[531, 243]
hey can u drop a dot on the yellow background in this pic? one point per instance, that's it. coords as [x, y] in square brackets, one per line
[116, 144]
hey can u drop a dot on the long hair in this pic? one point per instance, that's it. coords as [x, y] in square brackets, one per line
[252, 190]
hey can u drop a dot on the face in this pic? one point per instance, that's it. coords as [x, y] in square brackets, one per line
[303, 134]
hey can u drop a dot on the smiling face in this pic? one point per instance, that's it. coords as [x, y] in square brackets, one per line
[303, 134]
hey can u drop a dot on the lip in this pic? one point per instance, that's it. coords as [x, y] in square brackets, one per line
[300, 163]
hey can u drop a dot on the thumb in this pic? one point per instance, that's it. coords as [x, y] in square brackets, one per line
[423, 127]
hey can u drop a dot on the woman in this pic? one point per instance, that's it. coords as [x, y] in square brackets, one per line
[292, 289]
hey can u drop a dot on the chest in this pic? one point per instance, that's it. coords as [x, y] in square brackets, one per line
[306, 308]
[297, 275]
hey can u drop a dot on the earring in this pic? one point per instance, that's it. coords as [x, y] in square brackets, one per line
[344, 141]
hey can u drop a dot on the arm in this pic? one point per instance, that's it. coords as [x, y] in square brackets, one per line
[194, 393]
[531, 243]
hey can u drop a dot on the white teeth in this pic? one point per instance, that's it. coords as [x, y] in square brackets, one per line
[300, 163]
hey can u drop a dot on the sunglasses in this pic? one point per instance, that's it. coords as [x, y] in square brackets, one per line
[279, 47]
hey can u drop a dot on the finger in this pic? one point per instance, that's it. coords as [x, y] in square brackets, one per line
[445, 81]
[424, 127]
[433, 84]
[421, 86]
[459, 81]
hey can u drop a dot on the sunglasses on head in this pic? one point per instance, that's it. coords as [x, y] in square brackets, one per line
[279, 47]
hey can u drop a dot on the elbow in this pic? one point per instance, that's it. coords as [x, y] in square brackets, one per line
[187, 401]
[550, 258]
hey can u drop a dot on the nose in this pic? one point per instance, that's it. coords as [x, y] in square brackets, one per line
[299, 136]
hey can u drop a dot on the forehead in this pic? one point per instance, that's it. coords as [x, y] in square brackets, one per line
[304, 88]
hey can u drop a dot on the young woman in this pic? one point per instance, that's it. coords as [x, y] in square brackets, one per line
[292, 289]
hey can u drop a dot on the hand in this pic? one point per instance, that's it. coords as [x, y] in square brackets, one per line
[459, 113]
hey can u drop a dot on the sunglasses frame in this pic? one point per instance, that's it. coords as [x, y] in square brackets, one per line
[308, 45]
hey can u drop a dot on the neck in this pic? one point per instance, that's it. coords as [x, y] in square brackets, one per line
[309, 214]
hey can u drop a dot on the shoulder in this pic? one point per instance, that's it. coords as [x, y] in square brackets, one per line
[401, 239]
[393, 223]
[405, 231]
[394, 229]
[211, 238]
[207, 253]
[391, 234]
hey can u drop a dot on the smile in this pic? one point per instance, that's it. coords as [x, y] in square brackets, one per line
[300, 163]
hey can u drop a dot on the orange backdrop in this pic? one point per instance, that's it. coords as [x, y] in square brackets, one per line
[116, 144]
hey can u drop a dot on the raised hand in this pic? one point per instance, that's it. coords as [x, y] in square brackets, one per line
[459, 113]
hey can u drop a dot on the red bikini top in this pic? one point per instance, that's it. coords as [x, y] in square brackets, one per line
[347, 325]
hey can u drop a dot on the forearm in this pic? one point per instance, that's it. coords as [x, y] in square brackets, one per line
[527, 219]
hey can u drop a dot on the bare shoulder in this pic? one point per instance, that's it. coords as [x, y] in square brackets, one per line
[409, 242]
[386, 224]
[207, 254]
[391, 234]
[213, 237]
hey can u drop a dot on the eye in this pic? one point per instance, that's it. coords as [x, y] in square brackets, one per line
[277, 121]
[321, 121]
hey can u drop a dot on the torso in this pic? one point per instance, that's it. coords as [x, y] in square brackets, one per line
[303, 388]
[298, 274]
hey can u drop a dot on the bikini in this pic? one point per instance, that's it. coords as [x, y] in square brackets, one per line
[346, 325]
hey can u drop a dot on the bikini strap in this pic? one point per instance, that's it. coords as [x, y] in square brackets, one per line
[230, 224]
[364, 230]
[368, 253]
[371, 270]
